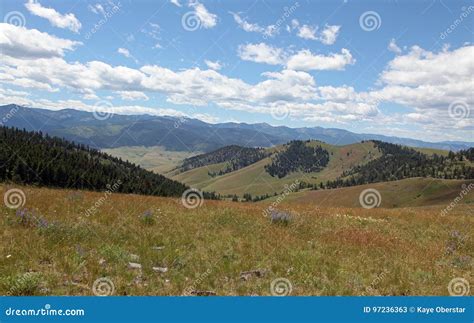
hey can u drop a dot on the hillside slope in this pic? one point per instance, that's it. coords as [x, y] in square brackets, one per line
[409, 192]
[256, 180]
[313, 164]
[31, 158]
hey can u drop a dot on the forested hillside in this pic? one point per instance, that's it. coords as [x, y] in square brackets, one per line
[34, 158]
[399, 162]
[298, 156]
[317, 165]
[236, 157]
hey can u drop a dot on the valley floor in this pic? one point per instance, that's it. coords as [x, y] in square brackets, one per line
[66, 240]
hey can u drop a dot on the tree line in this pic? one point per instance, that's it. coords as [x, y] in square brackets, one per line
[298, 157]
[399, 162]
[236, 157]
[37, 159]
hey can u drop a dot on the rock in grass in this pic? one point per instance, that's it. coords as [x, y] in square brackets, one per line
[134, 265]
[160, 269]
[203, 293]
[246, 275]
[158, 248]
[277, 216]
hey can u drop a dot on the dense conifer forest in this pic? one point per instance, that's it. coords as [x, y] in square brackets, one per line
[37, 159]
[237, 157]
[298, 157]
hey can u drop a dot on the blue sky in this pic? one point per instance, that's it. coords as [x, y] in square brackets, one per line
[391, 67]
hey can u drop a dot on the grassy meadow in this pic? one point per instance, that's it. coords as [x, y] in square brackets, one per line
[409, 192]
[55, 245]
[155, 158]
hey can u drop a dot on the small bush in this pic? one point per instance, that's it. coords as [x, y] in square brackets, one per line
[26, 284]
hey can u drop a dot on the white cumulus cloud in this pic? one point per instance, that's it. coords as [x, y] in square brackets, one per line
[307, 32]
[66, 21]
[262, 53]
[213, 65]
[20, 42]
[269, 31]
[393, 47]
[208, 20]
[305, 60]
[329, 34]
[132, 95]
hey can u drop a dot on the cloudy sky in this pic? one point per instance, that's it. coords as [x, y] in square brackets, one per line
[400, 68]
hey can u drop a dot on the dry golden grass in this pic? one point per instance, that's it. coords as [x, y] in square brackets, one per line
[409, 192]
[323, 251]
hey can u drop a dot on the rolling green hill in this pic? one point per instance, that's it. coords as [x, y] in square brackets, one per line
[317, 165]
[255, 180]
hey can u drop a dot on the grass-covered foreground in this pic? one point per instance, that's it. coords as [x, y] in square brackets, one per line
[58, 244]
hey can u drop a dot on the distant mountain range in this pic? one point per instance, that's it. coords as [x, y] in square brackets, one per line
[183, 134]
